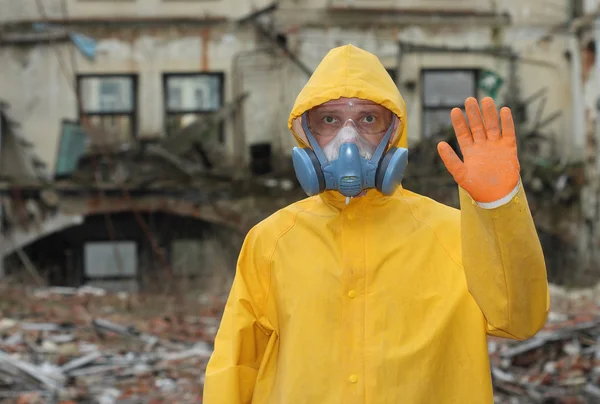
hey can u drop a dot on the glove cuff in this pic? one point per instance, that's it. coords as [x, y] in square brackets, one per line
[502, 201]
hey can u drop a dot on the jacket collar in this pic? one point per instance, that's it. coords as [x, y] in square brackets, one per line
[338, 201]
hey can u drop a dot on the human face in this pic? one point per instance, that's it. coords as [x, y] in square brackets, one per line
[349, 120]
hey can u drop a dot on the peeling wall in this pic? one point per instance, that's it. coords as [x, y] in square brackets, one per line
[41, 91]
[39, 95]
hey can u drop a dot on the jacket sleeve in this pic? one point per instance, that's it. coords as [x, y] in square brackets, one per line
[504, 266]
[244, 332]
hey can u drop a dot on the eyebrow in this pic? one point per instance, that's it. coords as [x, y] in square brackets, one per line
[327, 110]
[371, 111]
[364, 110]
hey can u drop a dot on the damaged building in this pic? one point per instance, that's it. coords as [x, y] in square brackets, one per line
[114, 199]
[160, 130]
[120, 211]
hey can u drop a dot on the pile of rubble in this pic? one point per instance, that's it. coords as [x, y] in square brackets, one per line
[64, 345]
[561, 364]
[67, 345]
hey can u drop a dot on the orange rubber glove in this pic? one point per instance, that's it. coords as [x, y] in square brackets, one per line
[490, 170]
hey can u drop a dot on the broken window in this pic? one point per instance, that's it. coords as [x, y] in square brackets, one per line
[442, 90]
[71, 147]
[189, 96]
[109, 104]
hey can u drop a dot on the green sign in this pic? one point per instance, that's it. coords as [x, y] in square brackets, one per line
[490, 82]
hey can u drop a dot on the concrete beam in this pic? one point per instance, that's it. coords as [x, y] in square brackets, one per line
[360, 18]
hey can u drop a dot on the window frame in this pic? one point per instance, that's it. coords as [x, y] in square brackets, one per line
[167, 113]
[110, 277]
[134, 102]
[447, 107]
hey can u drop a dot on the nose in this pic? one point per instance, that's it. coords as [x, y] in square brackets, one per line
[349, 123]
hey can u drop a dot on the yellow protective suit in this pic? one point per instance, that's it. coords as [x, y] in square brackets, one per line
[387, 300]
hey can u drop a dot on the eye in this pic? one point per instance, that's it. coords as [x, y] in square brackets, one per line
[369, 119]
[329, 120]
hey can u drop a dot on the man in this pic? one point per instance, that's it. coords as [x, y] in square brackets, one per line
[370, 293]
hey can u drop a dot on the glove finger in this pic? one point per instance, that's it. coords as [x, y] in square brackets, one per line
[508, 126]
[490, 118]
[475, 121]
[459, 123]
[455, 166]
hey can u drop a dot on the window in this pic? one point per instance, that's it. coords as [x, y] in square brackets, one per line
[442, 90]
[109, 103]
[110, 260]
[190, 96]
[71, 147]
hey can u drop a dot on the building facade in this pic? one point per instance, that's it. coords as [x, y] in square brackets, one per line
[149, 67]
[185, 74]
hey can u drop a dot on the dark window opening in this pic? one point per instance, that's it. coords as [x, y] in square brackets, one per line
[441, 91]
[392, 73]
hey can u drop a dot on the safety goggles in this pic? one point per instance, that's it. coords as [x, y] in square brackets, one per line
[369, 118]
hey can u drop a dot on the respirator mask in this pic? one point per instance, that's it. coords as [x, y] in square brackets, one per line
[355, 134]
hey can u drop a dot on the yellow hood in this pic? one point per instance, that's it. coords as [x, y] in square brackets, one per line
[349, 72]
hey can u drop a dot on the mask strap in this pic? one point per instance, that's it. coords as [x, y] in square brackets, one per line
[383, 144]
[313, 142]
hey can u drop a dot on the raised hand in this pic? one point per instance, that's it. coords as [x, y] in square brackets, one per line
[490, 169]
